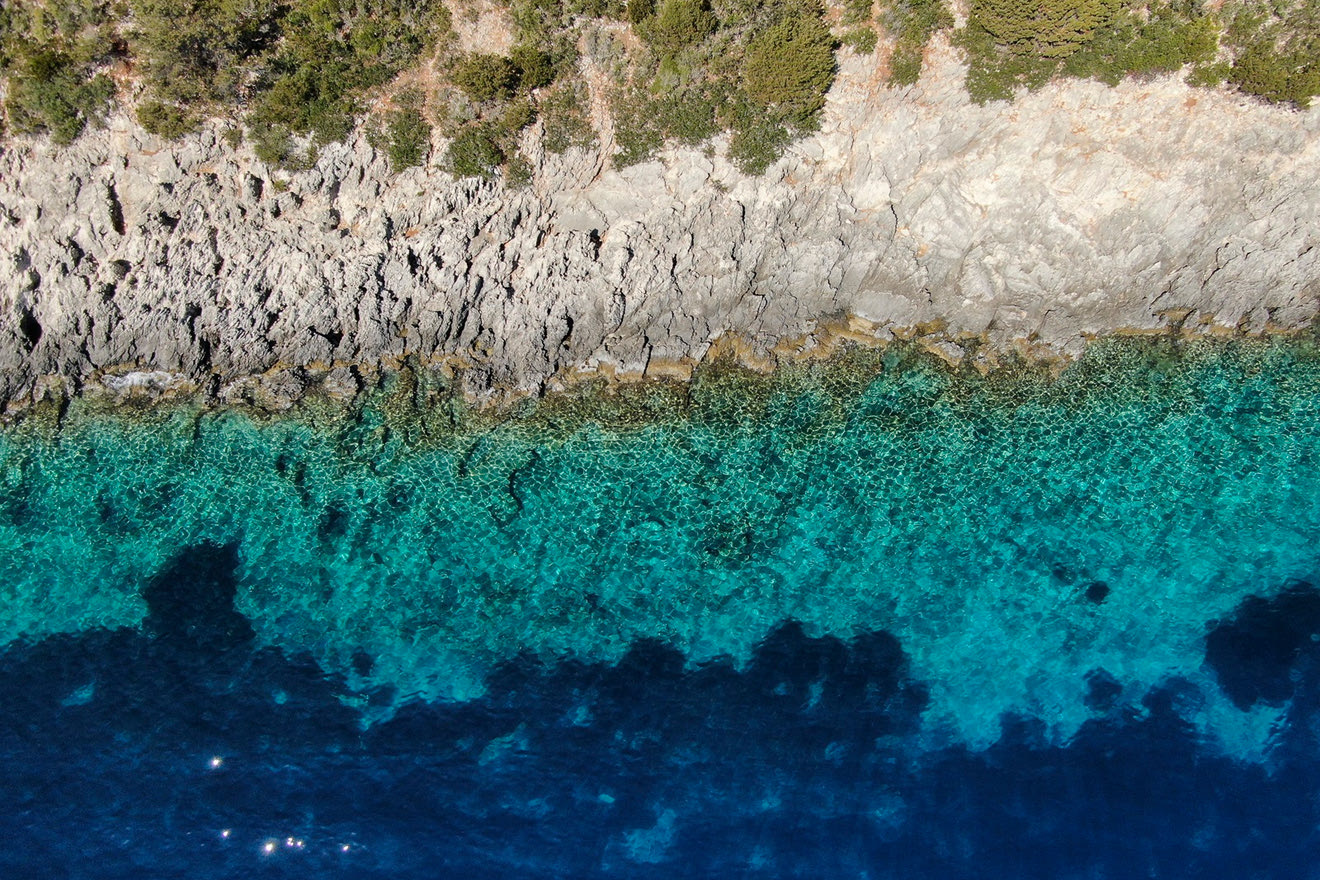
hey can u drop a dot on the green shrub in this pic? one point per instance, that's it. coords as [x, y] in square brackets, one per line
[597, 8]
[862, 40]
[474, 153]
[688, 117]
[165, 120]
[564, 114]
[300, 65]
[1159, 40]
[516, 116]
[408, 132]
[640, 10]
[517, 171]
[790, 66]
[913, 22]
[1042, 28]
[857, 11]
[484, 77]
[637, 133]
[536, 21]
[1281, 77]
[535, 69]
[275, 146]
[200, 50]
[905, 64]
[1208, 75]
[1276, 50]
[48, 94]
[757, 138]
[307, 100]
[679, 24]
[50, 56]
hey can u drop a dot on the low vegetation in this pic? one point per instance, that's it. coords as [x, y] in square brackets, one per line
[1266, 48]
[52, 57]
[289, 76]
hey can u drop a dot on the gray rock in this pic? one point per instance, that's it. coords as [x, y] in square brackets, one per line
[1077, 210]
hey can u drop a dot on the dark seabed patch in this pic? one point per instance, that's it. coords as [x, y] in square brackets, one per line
[871, 618]
[183, 748]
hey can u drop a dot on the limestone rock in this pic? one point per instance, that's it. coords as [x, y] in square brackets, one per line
[1076, 210]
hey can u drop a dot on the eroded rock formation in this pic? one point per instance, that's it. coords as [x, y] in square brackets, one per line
[1076, 210]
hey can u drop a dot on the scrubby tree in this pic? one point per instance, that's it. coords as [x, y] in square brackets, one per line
[1042, 28]
[790, 66]
[198, 50]
[1276, 48]
[47, 94]
[408, 130]
[484, 77]
[474, 153]
[679, 24]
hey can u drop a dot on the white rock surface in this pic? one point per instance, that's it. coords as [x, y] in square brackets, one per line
[1077, 210]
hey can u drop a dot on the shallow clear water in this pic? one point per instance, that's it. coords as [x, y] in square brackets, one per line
[863, 619]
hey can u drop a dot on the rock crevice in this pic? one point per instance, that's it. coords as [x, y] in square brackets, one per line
[1076, 211]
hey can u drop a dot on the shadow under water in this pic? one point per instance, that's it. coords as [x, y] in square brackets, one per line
[185, 748]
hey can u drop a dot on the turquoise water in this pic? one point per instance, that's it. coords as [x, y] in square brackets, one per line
[966, 516]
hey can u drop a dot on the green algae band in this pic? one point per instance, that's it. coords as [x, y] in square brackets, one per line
[1015, 533]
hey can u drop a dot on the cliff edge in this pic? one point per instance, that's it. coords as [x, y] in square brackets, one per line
[134, 263]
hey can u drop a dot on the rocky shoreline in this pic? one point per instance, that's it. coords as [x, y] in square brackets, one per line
[140, 268]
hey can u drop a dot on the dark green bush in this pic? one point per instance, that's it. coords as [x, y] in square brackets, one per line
[862, 40]
[516, 116]
[757, 138]
[1209, 75]
[1281, 77]
[1159, 40]
[790, 66]
[535, 69]
[857, 11]
[307, 100]
[300, 65]
[474, 153]
[165, 120]
[912, 23]
[1042, 28]
[637, 132]
[688, 117]
[640, 10]
[1276, 50]
[679, 24]
[484, 77]
[905, 64]
[564, 114]
[201, 50]
[408, 131]
[48, 94]
[615, 9]
[992, 75]
[517, 171]
[537, 21]
[51, 54]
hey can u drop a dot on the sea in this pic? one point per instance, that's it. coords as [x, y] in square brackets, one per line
[868, 617]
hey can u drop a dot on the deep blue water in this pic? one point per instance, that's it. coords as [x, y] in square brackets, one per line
[909, 625]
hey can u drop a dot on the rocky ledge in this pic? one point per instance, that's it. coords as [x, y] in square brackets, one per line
[133, 265]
